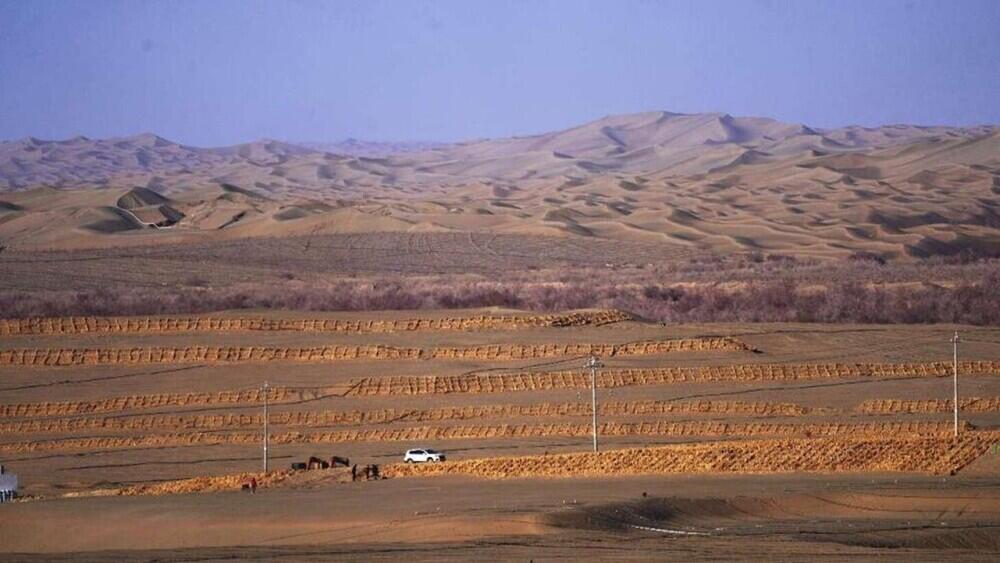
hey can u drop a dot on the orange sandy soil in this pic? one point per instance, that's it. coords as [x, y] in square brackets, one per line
[794, 515]
[834, 517]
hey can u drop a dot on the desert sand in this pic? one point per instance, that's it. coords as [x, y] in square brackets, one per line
[149, 289]
[800, 440]
[704, 182]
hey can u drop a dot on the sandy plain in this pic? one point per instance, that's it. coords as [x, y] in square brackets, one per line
[81, 436]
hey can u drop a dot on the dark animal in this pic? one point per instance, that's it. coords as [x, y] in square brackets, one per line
[317, 463]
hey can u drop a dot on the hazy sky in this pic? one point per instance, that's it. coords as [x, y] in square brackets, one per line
[221, 72]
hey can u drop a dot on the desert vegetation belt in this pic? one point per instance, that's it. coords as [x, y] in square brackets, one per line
[513, 382]
[144, 325]
[499, 431]
[927, 455]
[210, 354]
[382, 416]
[618, 377]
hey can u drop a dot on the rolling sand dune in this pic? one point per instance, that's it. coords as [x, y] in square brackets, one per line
[713, 182]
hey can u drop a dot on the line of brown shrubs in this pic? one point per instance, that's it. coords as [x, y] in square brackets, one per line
[851, 291]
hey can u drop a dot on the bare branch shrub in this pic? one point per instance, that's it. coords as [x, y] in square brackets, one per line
[709, 290]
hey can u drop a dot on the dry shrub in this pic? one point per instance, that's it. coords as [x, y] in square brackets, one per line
[896, 406]
[161, 400]
[142, 325]
[241, 354]
[501, 383]
[207, 354]
[500, 431]
[627, 377]
[307, 419]
[710, 289]
[935, 455]
[206, 484]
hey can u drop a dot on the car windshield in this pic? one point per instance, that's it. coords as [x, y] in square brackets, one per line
[432, 451]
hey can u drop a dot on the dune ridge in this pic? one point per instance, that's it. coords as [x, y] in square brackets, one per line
[711, 181]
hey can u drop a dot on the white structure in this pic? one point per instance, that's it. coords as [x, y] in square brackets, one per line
[8, 485]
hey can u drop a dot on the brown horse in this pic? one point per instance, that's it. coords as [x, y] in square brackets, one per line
[317, 463]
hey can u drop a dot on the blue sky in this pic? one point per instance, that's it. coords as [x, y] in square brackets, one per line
[220, 72]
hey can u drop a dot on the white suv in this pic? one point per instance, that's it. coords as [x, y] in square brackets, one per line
[422, 456]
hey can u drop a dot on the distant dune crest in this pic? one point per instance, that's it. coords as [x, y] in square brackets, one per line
[640, 143]
[712, 181]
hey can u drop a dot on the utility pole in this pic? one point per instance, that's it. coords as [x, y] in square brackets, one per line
[265, 389]
[593, 363]
[954, 370]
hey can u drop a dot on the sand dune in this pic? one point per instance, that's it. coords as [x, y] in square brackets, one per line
[713, 181]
